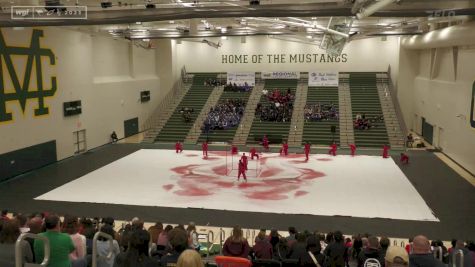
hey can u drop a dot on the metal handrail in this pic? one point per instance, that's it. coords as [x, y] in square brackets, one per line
[438, 253]
[209, 241]
[222, 238]
[454, 258]
[19, 251]
[94, 247]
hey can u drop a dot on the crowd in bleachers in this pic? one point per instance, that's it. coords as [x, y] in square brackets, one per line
[213, 82]
[320, 112]
[279, 107]
[361, 122]
[233, 87]
[71, 244]
[225, 115]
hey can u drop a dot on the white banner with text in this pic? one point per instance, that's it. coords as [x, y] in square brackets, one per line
[327, 78]
[280, 75]
[241, 78]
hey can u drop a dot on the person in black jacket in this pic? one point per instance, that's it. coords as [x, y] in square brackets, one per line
[421, 255]
[137, 253]
[336, 251]
[371, 254]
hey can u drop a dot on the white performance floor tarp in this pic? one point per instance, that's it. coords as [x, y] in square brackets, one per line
[360, 186]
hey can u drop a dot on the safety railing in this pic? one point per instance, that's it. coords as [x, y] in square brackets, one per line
[458, 254]
[209, 241]
[19, 252]
[438, 253]
[94, 247]
[222, 238]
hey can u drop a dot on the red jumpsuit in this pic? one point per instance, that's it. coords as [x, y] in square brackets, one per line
[332, 150]
[353, 149]
[265, 143]
[244, 160]
[178, 147]
[253, 153]
[404, 158]
[242, 170]
[285, 149]
[307, 151]
[234, 150]
[385, 151]
[204, 147]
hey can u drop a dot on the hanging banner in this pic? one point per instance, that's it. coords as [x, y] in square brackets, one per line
[240, 78]
[327, 78]
[280, 75]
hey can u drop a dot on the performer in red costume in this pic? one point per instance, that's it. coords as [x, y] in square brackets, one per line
[204, 147]
[332, 150]
[265, 143]
[385, 151]
[234, 150]
[285, 149]
[352, 149]
[244, 160]
[242, 170]
[253, 153]
[306, 150]
[178, 147]
[404, 158]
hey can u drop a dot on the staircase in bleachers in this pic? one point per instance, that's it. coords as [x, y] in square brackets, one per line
[319, 132]
[226, 135]
[297, 123]
[365, 101]
[176, 129]
[276, 131]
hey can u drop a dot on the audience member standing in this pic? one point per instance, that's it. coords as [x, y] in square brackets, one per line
[263, 248]
[336, 251]
[467, 257]
[371, 254]
[103, 248]
[179, 243]
[137, 252]
[163, 241]
[396, 257]
[10, 231]
[61, 244]
[70, 227]
[236, 245]
[421, 255]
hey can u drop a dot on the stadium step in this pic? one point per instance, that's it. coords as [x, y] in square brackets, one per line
[347, 135]
[244, 127]
[297, 122]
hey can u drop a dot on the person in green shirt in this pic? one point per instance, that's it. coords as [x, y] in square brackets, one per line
[61, 244]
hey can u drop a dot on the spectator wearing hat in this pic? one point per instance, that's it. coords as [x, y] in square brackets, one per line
[396, 257]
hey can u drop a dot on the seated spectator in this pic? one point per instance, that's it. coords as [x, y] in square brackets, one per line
[318, 112]
[137, 252]
[103, 248]
[409, 140]
[262, 248]
[274, 238]
[225, 115]
[236, 245]
[87, 229]
[163, 241]
[10, 231]
[292, 237]
[179, 243]
[396, 257]
[155, 231]
[384, 243]
[189, 258]
[282, 249]
[237, 88]
[70, 227]
[61, 244]
[371, 252]
[445, 253]
[421, 255]
[193, 236]
[114, 137]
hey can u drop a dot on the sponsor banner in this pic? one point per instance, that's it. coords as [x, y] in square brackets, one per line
[240, 78]
[327, 78]
[280, 75]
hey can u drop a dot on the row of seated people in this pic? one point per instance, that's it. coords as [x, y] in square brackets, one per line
[278, 96]
[233, 87]
[320, 112]
[276, 112]
[186, 113]
[133, 245]
[213, 82]
[361, 122]
[225, 115]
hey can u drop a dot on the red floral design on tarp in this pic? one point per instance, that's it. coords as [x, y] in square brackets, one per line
[279, 178]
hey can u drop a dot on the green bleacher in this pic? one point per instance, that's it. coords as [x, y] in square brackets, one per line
[319, 132]
[228, 134]
[277, 130]
[365, 100]
[176, 129]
